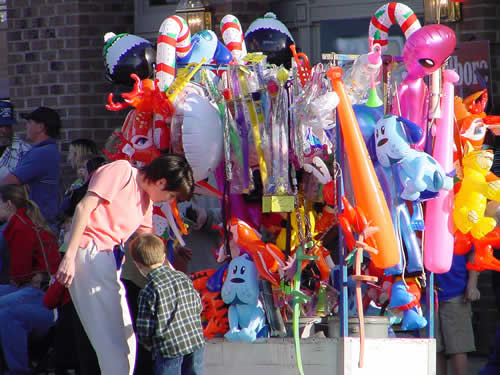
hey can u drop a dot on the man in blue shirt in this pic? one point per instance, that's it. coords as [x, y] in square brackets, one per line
[457, 288]
[40, 167]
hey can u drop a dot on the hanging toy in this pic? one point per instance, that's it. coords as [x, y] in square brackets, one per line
[126, 54]
[390, 14]
[214, 314]
[303, 66]
[425, 51]
[438, 235]
[174, 41]
[367, 189]
[418, 172]
[271, 37]
[206, 45]
[141, 138]
[471, 199]
[247, 319]
[329, 191]
[232, 35]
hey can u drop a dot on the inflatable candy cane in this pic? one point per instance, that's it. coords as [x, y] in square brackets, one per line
[174, 40]
[390, 14]
[233, 37]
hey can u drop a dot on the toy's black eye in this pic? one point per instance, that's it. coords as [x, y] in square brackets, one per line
[235, 269]
[382, 130]
[376, 134]
[243, 269]
[426, 63]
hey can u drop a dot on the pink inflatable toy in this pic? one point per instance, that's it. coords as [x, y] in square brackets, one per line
[424, 52]
[438, 238]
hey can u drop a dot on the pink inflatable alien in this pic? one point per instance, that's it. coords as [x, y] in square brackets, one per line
[425, 51]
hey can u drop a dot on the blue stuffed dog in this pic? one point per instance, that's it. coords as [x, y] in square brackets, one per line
[419, 174]
[247, 319]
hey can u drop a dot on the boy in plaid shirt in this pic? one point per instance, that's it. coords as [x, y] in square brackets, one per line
[168, 322]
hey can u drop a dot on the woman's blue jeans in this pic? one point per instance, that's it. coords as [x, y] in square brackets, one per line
[189, 364]
[21, 312]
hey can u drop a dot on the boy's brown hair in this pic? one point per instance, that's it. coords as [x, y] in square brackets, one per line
[147, 249]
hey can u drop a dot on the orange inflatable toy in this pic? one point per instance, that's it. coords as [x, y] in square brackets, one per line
[141, 137]
[214, 314]
[321, 254]
[353, 220]
[483, 250]
[303, 66]
[367, 190]
[470, 114]
[268, 258]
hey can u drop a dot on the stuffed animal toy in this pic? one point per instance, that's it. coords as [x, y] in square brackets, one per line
[214, 313]
[247, 319]
[418, 173]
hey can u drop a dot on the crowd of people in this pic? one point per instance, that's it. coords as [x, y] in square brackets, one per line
[62, 253]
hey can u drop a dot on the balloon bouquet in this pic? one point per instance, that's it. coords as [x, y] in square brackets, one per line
[416, 166]
[395, 143]
[269, 135]
[167, 108]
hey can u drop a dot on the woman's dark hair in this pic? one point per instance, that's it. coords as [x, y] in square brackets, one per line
[176, 170]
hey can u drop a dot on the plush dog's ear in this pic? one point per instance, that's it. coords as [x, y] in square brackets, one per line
[412, 130]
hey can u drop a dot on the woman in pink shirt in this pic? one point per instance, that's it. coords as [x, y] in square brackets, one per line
[118, 203]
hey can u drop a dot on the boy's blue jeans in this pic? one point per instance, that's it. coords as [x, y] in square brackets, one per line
[21, 312]
[189, 364]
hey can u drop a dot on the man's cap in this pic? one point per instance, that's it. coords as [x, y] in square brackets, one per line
[44, 115]
[6, 113]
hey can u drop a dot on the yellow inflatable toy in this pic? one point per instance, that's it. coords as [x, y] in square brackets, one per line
[294, 239]
[475, 190]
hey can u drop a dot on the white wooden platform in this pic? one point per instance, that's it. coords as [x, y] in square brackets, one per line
[321, 356]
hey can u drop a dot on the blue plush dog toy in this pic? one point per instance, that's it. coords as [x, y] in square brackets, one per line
[247, 319]
[419, 174]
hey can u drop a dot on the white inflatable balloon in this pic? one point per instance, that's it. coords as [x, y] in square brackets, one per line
[202, 138]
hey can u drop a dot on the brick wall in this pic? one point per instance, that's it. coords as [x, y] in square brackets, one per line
[55, 59]
[480, 20]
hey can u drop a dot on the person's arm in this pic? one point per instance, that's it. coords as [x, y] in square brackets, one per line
[66, 271]
[10, 179]
[28, 169]
[471, 291]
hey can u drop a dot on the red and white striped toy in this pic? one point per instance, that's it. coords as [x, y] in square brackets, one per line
[391, 14]
[232, 35]
[174, 40]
